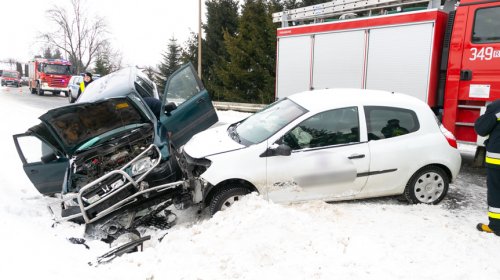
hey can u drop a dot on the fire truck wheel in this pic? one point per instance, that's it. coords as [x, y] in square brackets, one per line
[39, 91]
[428, 185]
[66, 94]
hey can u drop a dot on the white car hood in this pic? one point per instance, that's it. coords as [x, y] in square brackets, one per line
[211, 141]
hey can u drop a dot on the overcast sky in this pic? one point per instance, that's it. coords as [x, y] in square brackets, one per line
[140, 29]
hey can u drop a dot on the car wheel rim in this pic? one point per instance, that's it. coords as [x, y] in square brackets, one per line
[230, 201]
[429, 187]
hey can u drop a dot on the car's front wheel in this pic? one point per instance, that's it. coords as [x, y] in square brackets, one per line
[428, 185]
[225, 198]
[70, 98]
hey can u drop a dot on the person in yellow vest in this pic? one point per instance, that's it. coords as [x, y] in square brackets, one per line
[87, 79]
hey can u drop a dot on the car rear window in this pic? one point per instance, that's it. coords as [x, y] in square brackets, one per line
[387, 122]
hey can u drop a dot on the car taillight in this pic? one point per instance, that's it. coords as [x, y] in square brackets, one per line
[449, 136]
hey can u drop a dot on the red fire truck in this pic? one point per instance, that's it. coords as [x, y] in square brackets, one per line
[49, 75]
[448, 56]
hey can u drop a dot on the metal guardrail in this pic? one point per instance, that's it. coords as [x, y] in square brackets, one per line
[240, 107]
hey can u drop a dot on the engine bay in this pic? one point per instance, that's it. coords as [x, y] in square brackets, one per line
[88, 165]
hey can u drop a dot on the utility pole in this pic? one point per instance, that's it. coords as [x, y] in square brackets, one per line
[199, 39]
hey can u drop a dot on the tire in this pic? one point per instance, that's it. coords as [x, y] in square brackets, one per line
[479, 157]
[57, 93]
[70, 98]
[224, 198]
[39, 91]
[66, 94]
[428, 185]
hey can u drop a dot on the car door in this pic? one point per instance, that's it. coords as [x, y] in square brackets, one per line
[328, 160]
[391, 136]
[41, 163]
[195, 111]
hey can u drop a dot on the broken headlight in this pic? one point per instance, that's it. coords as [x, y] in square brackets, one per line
[141, 166]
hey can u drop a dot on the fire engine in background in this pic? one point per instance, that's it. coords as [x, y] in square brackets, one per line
[448, 56]
[49, 75]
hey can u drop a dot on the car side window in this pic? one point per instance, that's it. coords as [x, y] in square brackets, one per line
[334, 127]
[183, 86]
[144, 87]
[34, 150]
[387, 122]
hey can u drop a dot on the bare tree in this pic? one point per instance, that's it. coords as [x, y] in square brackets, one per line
[77, 34]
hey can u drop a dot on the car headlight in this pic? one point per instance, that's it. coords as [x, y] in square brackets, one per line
[141, 166]
[45, 84]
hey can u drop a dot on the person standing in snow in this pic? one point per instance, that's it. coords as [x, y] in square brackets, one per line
[489, 124]
[87, 79]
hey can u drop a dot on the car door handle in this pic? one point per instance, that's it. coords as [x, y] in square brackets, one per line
[33, 171]
[354, 156]
[200, 100]
[466, 75]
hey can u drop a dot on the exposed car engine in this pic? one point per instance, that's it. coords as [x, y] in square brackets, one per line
[107, 156]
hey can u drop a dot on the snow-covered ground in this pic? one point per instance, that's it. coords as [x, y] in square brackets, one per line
[255, 239]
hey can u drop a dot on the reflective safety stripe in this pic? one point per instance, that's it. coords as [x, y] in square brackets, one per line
[493, 209]
[492, 158]
[494, 215]
[494, 161]
[493, 155]
[497, 115]
[82, 86]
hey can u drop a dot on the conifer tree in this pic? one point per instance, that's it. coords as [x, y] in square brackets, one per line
[249, 74]
[170, 63]
[222, 17]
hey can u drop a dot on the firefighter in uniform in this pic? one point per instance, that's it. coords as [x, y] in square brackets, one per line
[87, 79]
[489, 124]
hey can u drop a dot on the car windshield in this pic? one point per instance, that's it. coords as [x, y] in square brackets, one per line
[265, 123]
[10, 74]
[56, 69]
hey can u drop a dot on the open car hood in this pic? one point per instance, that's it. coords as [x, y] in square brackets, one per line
[82, 123]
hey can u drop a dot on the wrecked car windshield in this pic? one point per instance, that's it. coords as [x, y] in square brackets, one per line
[265, 123]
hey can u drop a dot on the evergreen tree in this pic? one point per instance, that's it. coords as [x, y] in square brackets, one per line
[189, 53]
[47, 53]
[222, 17]
[102, 65]
[249, 75]
[171, 61]
[306, 3]
[57, 54]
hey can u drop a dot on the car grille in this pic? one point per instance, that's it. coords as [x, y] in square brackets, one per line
[57, 82]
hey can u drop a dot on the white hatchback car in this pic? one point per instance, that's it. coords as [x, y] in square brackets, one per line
[334, 144]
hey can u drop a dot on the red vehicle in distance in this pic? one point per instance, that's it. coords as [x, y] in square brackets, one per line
[49, 75]
[10, 77]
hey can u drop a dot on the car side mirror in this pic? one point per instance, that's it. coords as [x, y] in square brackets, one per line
[280, 150]
[48, 158]
[169, 107]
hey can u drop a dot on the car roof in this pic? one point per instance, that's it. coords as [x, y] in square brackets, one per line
[318, 100]
[119, 83]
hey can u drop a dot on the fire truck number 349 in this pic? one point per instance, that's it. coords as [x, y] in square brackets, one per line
[487, 53]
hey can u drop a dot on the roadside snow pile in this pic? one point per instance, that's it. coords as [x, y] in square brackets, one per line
[316, 240]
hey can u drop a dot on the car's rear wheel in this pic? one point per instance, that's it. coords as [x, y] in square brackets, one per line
[226, 197]
[428, 185]
[70, 98]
